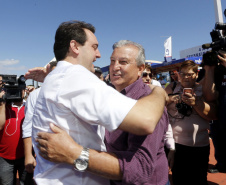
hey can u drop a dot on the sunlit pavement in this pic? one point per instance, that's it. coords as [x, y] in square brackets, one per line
[213, 178]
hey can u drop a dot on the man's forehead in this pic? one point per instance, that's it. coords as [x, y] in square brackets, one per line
[118, 57]
[121, 53]
[90, 36]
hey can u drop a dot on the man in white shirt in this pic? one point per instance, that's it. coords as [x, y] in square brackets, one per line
[77, 101]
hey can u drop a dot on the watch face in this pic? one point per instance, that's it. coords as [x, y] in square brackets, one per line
[81, 165]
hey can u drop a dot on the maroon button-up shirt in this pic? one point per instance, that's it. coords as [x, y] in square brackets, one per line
[142, 158]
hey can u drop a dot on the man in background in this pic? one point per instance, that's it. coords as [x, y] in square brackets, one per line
[30, 161]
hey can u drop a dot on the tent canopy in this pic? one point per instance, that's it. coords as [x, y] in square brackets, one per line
[173, 65]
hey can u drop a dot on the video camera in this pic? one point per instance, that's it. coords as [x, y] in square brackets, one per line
[218, 43]
[13, 87]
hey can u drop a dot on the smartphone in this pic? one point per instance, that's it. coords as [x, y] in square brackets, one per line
[188, 90]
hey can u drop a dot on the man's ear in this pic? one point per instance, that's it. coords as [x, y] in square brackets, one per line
[141, 69]
[74, 47]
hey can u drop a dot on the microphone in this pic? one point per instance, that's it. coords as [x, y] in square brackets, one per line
[206, 46]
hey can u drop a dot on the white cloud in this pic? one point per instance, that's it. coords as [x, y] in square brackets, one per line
[8, 62]
[10, 66]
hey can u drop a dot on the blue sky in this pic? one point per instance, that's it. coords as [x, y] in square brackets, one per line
[28, 27]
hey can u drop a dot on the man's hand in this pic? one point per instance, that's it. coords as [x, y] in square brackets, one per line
[30, 164]
[222, 58]
[29, 89]
[58, 146]
[38, 73]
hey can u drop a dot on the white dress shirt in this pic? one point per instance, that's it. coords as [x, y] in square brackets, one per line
[74, 99]
[155, 82]
[29, 110]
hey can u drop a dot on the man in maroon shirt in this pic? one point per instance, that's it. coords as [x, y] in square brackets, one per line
[135, 159]
[141, 158]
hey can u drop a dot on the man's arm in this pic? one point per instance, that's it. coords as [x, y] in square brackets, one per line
[30, 161]
[208, 85]
[38, 73]
[2, 112]
[209, 89]
[52, 147]
[146, 113]
[143, 116]
[142, 153]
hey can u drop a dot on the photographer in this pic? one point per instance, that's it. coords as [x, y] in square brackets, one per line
[11, 143]
[189, 115]
[214, 88]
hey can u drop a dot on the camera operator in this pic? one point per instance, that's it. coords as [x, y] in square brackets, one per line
[11, 143]
[214, 88]
[189, 115]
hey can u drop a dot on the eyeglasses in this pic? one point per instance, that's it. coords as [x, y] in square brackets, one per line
[144, 74]
[189, 75]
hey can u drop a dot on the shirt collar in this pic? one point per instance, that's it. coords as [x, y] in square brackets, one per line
[135, 85]
[13, 105]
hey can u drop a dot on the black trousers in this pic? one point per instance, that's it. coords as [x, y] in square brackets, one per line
[190, 165]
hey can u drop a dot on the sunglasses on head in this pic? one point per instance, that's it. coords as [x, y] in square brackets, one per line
[144, 74]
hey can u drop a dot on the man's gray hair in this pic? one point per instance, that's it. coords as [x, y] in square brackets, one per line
[141, 53]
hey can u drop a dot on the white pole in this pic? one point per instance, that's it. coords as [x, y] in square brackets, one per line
[218, 11]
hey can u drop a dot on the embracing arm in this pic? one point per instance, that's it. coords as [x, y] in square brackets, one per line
[52, 147]
[141, 153]
[146, 113]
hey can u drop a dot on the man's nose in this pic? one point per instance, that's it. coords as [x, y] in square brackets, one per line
[116, 65]
[98, 55]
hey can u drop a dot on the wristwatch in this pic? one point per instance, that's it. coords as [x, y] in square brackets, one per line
[81, 164]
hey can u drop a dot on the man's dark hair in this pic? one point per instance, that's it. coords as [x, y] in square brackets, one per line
[67, 31]
[97, 69]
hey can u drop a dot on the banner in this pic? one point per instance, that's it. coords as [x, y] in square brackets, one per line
[168, 49]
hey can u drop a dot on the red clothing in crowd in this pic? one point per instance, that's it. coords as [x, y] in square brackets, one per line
[11, 143]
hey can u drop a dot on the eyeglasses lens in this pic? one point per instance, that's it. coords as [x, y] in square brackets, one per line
[146, 74]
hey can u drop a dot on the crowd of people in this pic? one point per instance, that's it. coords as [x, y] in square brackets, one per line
[126, 128]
